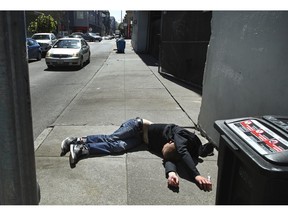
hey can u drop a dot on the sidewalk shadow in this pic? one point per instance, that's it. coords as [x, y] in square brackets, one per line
[148, 59]
[151, 61]
[183, 83]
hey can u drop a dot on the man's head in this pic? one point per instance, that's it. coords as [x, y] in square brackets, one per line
[169, 151]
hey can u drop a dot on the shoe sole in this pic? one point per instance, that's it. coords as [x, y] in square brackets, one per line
[72, 157]
[63, 150]
[72, 154]
[72, 165]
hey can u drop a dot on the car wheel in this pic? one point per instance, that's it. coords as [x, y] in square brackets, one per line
[81, 63]
[39, 56]
[88, 60]
[49, 67]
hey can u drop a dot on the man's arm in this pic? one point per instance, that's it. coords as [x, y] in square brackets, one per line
[173, 179]
[203, 183]
[171, 174]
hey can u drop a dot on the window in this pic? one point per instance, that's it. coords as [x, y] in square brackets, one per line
[79, 15]
[29, 42]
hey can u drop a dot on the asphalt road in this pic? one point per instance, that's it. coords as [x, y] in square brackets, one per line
[53, 90]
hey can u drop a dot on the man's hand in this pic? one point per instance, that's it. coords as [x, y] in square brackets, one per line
[203, 183]
[173, 179]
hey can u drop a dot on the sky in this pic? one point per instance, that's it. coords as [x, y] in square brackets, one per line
[117, 14]
[115, 6]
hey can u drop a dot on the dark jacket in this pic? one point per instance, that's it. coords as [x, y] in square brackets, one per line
[187, 145]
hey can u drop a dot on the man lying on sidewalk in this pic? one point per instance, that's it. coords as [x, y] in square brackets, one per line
[172, 142]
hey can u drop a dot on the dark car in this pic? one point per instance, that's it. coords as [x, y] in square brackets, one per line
[91, 37]
[34, 49]
[82, 35]
[77, 35]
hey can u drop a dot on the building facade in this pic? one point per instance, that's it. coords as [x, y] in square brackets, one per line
[236, 58]
[76, 21]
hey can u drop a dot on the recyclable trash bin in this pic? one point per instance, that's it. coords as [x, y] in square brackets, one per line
[120, 43]
[252, 161]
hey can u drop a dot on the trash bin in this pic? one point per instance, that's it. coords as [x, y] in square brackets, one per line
[120, 43]
[252, 161]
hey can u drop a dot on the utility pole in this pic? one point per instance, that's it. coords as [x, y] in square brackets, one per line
[18, 185]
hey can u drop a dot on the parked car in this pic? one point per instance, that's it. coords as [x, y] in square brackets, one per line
[94, 36]
[46, 40]
[68, 52]
[33, 49]
[77, 35]
[89, 36]
[62, 34]
[108, 37]
[81, 35]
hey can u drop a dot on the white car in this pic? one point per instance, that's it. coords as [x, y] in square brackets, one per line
[68, 52]
[46, 40]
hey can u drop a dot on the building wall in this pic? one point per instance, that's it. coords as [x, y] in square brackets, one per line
[81, 20]
[140, 31]
[185, 37]
[246, 67]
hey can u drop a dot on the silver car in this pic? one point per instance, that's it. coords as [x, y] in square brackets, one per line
[68, 52]
[46, 40]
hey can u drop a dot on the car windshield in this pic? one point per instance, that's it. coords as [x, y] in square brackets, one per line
[41, 37]
[94, 34]
[72, 44]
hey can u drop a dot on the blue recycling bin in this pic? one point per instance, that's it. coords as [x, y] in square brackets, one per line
[121, 43]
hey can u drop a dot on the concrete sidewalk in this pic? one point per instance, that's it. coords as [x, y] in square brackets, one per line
[125, 87]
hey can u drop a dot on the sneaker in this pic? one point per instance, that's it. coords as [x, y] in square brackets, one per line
[65, 145]
[207, 150]
[77, 151]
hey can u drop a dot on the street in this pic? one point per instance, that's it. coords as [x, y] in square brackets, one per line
[53, 90]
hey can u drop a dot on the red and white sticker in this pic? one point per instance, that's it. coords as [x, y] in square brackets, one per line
[259, 137]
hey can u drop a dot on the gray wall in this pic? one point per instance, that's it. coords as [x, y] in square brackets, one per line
[140, 31]
[246, 71]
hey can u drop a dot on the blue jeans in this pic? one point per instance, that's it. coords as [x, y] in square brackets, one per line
[126, 137]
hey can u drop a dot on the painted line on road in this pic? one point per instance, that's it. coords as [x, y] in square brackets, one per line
[40, 139]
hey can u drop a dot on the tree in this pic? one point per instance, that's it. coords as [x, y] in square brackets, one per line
[43, 23]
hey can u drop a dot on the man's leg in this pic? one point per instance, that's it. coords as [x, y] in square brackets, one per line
[106, 146]
[120, 133]
[126, 137]
[65, 145]
[77, 151]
